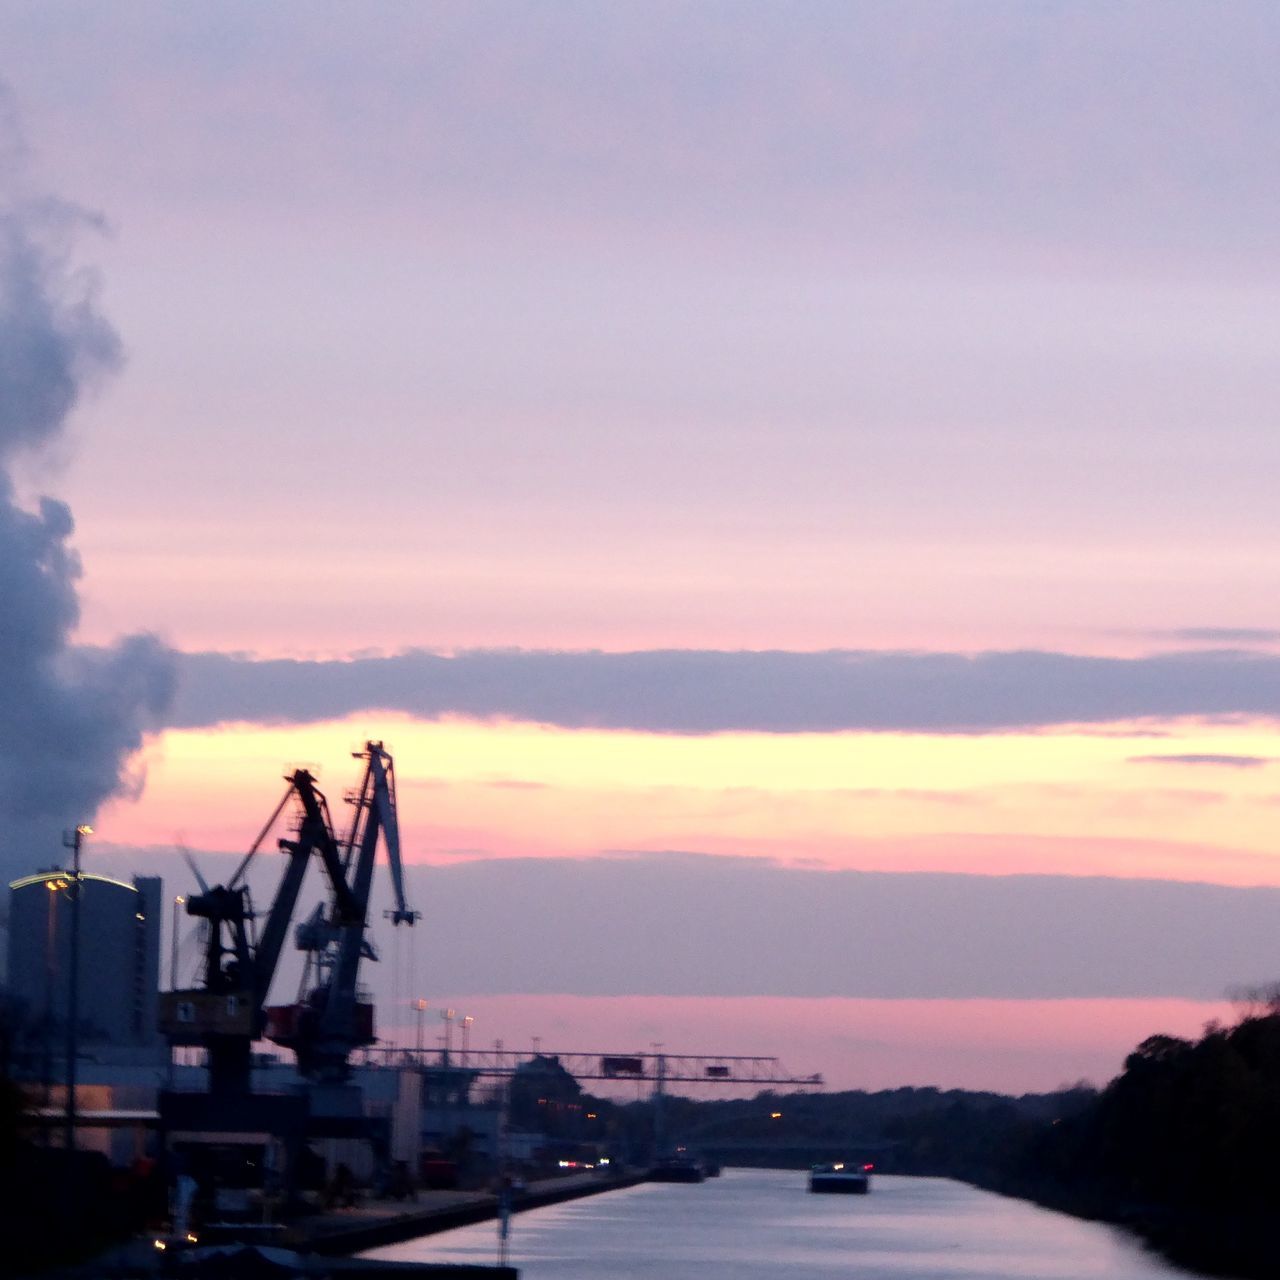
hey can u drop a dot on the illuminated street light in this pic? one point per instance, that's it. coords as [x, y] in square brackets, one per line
[72, 840]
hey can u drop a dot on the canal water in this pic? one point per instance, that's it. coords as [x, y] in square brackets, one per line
[759, 1224]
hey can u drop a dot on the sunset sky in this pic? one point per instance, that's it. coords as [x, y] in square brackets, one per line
[793, 487]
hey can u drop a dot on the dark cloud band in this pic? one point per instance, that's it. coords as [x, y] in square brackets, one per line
[708, 691]
[1218, 761]
[696, 925]
[689, 924]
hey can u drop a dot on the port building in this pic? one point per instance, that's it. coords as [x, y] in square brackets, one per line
[119, 967]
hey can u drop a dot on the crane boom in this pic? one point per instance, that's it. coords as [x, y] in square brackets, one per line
[385, 797]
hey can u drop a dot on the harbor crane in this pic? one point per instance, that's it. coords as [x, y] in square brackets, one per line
[226, 1011]
[229, 1129]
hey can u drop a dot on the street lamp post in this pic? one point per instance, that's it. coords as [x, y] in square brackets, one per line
[466, 1029]
[448, 1016]
[421, 1006]
[72, 840]
[173, 944]
[53, 884]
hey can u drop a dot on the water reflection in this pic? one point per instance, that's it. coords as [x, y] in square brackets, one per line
[754, 1224]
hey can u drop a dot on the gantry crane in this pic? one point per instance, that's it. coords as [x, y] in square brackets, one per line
[657, 1068]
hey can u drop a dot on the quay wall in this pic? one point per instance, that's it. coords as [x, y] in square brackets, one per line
[342, 1240]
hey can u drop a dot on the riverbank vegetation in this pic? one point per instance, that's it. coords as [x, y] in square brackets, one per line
[1182, 1145]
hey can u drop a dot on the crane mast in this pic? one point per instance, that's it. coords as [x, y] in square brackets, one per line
[329, 1019]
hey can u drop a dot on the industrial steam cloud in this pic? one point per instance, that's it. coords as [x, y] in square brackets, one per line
[71, 718]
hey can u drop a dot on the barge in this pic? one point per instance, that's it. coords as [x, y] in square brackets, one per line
[841, 1178]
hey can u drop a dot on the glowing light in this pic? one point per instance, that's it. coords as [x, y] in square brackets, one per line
[62, 882]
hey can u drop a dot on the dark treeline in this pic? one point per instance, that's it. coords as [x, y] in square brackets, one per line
[1183, 1146]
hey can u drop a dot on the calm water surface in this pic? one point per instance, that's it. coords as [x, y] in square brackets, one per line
[757, 1223]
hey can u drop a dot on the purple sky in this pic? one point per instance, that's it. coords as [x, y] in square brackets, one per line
[951, 323]
[677, 371]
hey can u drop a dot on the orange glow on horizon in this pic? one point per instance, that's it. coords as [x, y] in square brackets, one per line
[1077, 802]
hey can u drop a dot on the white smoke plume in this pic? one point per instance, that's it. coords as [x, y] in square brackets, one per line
[71, 720]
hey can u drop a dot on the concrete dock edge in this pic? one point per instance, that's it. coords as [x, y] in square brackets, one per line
[346, 1240]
